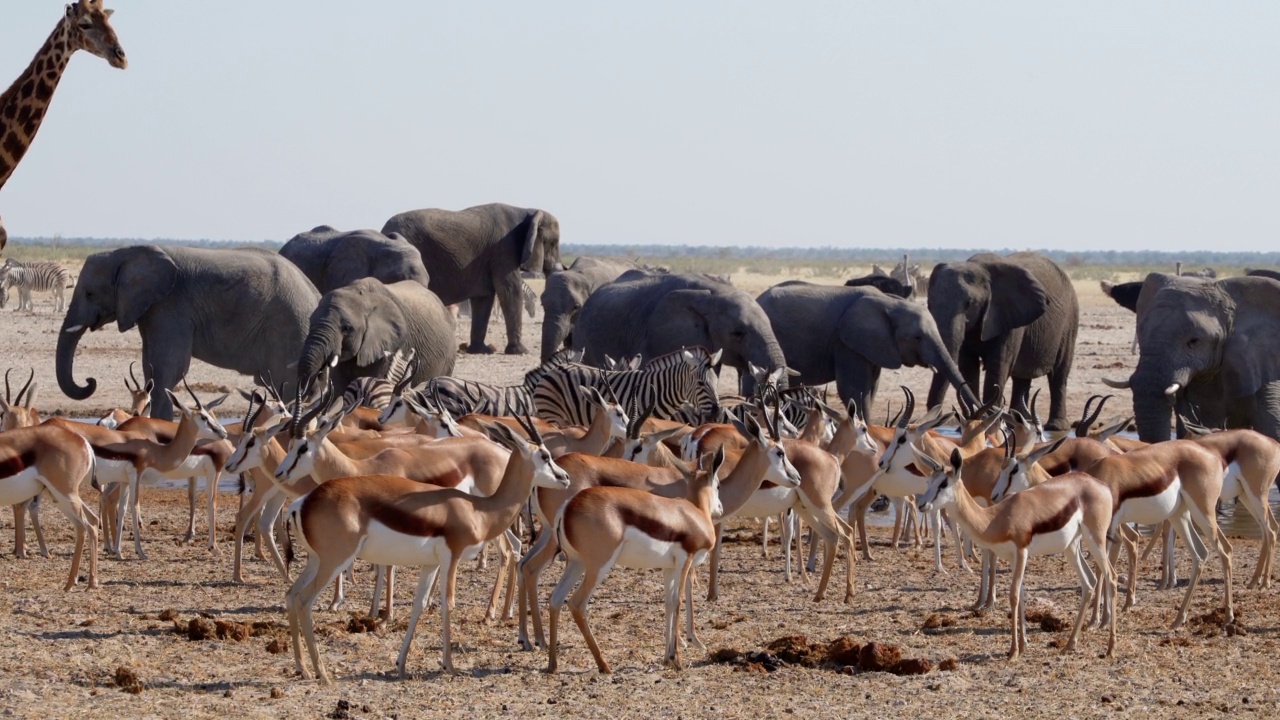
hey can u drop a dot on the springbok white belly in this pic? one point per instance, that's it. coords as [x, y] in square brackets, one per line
[767, 502]
[1231, 482]
[384, 546]
[639, 550]
[1151, 510]
[1049, 543]
[21, 487]
[899, 482]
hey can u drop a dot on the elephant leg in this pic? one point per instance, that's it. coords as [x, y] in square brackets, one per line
[166, 357]
[1058, 419]
[1020, 398]
[511, 296]
[856, 380]
[481, 309]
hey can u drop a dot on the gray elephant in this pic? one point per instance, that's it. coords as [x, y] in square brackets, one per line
[565, 293]
[883, 283]
[244, 310]
[1014, 316]
[357, 329]
[848, 334]
[653, 314]
[332, 259]
[1205, 337]
[477, 254]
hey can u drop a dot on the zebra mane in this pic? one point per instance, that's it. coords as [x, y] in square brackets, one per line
[561, 357]
[399, 369]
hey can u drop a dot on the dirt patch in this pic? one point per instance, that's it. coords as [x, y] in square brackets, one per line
[233, 631]
[1046, 619]
[878, 657]
[201, 629]
[363, 624]
[1215, 623]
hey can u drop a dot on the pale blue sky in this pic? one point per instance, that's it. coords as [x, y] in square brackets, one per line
[1121, 125]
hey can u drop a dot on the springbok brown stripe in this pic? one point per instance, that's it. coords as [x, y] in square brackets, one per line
[105, 453]
[1059, 520]
[15, 464]
[653, 527]
[1152, 488]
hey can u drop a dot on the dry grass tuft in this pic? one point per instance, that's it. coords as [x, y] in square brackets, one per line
[201, 629]
[937, 621]
[127, 680]
[233, 631]
[1047, 621]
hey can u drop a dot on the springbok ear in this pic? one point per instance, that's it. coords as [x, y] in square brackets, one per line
[216, 401]
[594, 396]
[933, 465]
[1036, 455]
[957, 459]
[177, 402]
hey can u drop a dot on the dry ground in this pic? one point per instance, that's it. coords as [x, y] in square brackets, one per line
[62, 652]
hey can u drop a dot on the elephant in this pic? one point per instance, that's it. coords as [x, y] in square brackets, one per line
[332, 259]
[240, 309]
[565, 293]
[1211, 351]
[847, 334]
[1262, 272]
[1138, 296]
[356, 330]
[652, 314]
[477, 254]
[883, 283]
[1014, 315]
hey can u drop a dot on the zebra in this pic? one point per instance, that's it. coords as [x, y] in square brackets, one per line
[37, 276]
[377, 392]
[461, 397]
[680, 386]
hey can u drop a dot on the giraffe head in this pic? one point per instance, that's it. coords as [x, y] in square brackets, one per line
[90, 30]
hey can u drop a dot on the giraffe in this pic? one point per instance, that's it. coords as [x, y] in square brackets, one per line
[85, 26]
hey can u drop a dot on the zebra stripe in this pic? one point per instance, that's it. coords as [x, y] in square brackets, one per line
[377, 392]
[30, 277]
[461, 397]
[681, 385]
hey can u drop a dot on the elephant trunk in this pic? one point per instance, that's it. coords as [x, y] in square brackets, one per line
[319, 350]
[68, 340]
[951, 333]
[947, 372]
[555, 333]
[1154, 393]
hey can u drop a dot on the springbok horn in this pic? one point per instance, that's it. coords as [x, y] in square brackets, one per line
[1035, 415]
[1009, 449]
[8, 394]
[137, 386]
[23, 391]
[199, 404]
[1082, 427]
[910, 409]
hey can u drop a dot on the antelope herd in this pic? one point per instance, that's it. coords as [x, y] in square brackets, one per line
[409, 484]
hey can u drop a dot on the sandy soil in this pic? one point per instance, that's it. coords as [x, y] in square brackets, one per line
[66, 655]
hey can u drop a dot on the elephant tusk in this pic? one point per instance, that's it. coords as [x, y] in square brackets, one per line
[1173, 389]
[74, 329]
[1117, 384]
[333, 361]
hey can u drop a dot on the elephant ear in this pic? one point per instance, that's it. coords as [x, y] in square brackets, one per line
[1251, 354]
[1017, 300]
[531, 238]
[144, 276]
[385, 329]
[683, 317]
[867, 329]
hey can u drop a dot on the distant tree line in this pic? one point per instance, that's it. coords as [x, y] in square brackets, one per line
[846, 255]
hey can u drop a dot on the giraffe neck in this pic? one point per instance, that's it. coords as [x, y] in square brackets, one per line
[23, 105]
